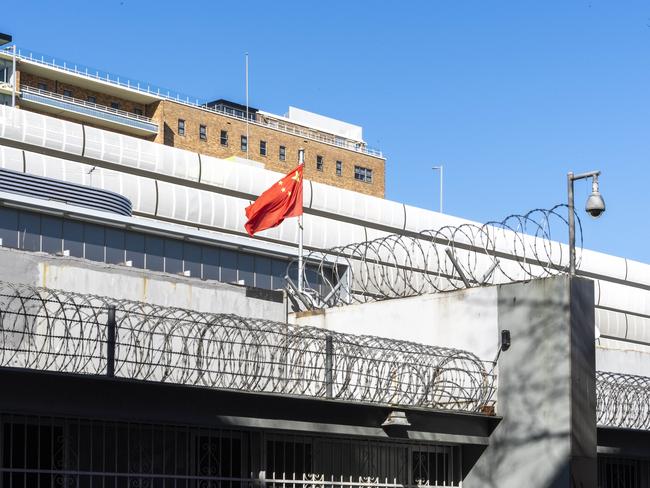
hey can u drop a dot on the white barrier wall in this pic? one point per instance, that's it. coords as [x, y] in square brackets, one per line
[211, 193]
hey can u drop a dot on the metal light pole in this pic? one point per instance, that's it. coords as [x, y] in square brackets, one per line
[440, 168]
[595, 207]
[248, 142]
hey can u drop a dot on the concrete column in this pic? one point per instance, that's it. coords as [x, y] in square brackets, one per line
[547, 394]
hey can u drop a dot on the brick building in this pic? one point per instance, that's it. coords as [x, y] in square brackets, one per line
[335, 152]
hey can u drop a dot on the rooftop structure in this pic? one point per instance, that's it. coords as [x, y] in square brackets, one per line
[335, 152]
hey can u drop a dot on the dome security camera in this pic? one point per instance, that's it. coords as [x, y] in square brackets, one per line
[595, 205]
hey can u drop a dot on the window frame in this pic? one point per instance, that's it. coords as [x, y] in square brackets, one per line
[203, 132]
[223, 138]
[263, 149]
[181, 127]
[282, 153]
[243, 143]
[320, 163]
[339, 168]
[363, 174]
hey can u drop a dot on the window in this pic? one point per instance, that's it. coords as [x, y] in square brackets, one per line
[224, 137]
[115, 105]
[154, 252]
[173, 256]
[92, 99]
[73, 238]
[29, 231]
[181, 127]
[283, 153]
[339, 168]
[42, 86]
[363, 174]
[115, 246]
[94, 239]
[262, 148]
[135, 249]
[137, 111]
[244, 143]
[8, 227]
[319, 163]
[67, 93]
[203, 132]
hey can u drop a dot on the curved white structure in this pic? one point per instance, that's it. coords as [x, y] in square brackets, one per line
[210, 194]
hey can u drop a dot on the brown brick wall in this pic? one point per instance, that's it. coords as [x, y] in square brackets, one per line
[167, 113]
[80, 93]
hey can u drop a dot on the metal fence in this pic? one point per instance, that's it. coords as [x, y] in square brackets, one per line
[623, 400]
[518, 248]
[67, 332]
[83, 453]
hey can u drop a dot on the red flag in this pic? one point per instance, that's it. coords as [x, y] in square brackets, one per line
[282, 200]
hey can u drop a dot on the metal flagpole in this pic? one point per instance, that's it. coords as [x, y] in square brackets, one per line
[301, 264]
[248, 142]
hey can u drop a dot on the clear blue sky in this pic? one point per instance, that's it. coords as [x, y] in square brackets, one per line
[508, 95]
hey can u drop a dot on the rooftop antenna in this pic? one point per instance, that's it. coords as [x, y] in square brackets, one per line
[247, 139]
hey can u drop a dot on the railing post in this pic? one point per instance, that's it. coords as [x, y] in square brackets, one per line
[329, 366]
[111, 325]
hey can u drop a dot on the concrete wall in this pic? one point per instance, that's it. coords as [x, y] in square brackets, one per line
[465, 319]
[546, 384]
[121, 282]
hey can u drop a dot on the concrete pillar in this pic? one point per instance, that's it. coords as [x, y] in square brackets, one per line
[547, 394]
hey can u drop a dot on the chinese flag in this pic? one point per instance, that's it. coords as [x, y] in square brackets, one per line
[282, 200]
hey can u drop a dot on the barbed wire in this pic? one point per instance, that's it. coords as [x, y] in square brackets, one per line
[518, 248]
[54, 330]
[623, 400]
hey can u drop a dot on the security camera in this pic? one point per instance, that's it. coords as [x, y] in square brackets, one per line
[595, 205]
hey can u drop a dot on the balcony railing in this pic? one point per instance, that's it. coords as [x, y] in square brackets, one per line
[52, 330]
[88, 108]
[174, 96]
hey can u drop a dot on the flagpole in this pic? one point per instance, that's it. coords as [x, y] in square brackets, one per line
[301, 264]
[248, 142]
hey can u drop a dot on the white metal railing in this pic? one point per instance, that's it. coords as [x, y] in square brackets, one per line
[85, 103]
[174, 96]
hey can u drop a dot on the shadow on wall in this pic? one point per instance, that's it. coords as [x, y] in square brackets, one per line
[532, 444]
[168, 135]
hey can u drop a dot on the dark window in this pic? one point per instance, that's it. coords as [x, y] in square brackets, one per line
[262, 148]
[115, 246]
[94, 240]
[135, 249]
[319, 163]
[283, 153]
[278, 270]
[228, 266]
[42, 86]
[137, 111]
[210, 263]
[263, 272]
[224, 137]
[173, 256]
[154, 253]
[115, 105]
[181, 127]
[67, 93]
[339, 168]
[29, 231]
[52, 232]
[246, 269]
[192, 259]
[73, 234]
[9, 227]
[203, 132]
[244, 143]
[363, 174]
[92, 99]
